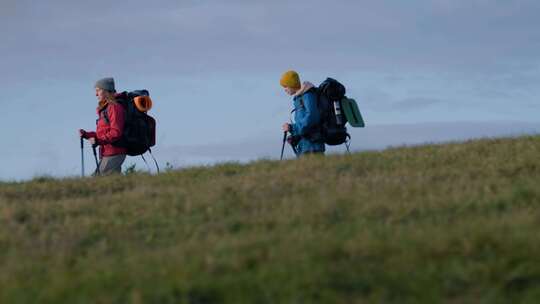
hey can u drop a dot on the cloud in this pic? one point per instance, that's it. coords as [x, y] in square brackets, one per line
[414, 103]
[173, 37]
[379, 99]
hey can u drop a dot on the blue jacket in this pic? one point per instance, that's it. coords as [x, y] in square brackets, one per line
[306, 118]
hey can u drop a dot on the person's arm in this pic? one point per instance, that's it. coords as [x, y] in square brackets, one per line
[311, 118]
[116, 116]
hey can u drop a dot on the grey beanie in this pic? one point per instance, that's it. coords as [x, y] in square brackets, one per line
[106, 84]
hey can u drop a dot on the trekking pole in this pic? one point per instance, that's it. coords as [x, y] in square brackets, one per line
[283, 146]
[82, 157]
[95, 157]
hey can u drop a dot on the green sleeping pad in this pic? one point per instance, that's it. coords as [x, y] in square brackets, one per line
[352, 113]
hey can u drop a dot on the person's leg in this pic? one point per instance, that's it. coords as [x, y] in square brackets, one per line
[307, 147]
[111, 164]
[307, 153]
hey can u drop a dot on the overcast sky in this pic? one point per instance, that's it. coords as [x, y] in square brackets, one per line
[213, 68]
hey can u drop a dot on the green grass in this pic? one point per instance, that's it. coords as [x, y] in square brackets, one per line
[453, 223]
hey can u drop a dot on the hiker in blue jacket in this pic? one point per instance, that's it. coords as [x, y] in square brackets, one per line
[306, 130]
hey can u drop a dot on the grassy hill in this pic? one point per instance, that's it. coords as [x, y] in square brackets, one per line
[453, 223]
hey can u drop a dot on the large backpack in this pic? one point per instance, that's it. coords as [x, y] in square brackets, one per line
[333, 130]
[336, 110]
[139, 128]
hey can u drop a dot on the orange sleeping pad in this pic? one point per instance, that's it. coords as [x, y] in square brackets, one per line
[143, 103]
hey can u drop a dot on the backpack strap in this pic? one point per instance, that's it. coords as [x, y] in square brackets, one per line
[312, 90]
[348, 144]
[157, 166]
[105, 116]
[106, 113]
[315, 134]
[144, 159]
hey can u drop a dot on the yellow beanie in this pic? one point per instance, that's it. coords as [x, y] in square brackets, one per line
[290, 80]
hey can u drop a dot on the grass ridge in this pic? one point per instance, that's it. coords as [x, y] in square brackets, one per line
[445, 223]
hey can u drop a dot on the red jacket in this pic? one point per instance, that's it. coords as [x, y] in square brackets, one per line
[109, 132]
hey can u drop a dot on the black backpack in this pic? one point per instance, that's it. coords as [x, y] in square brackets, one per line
[332, 128]
[139, 128]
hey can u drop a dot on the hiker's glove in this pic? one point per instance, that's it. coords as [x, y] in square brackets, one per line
[286, 127]
[83, 134]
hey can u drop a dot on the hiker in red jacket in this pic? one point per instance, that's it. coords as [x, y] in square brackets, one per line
[110, 126]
